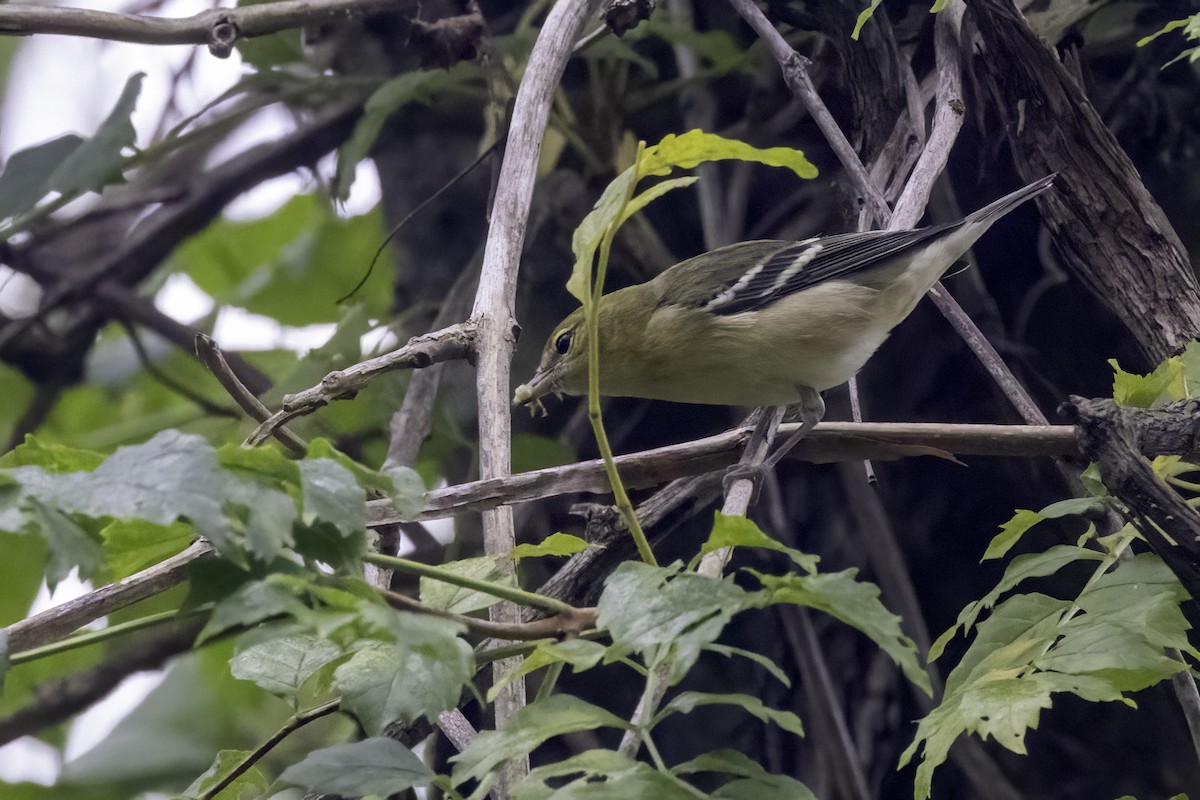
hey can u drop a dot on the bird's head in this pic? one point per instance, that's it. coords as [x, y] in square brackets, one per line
[563, 368]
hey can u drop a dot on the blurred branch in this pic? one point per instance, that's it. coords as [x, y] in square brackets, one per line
[55, 623]
[59, 701]
[219, 29]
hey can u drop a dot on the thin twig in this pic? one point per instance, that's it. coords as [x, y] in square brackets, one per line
[558, 625]
[510, 593]
[294, 724]
[211, 355]
[54, 623]
[795, 75]
[421, 206]
[454, 342]
[740, 492]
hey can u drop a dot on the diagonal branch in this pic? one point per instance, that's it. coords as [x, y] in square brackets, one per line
[453, 342]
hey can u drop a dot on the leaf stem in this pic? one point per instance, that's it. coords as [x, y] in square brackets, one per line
[592, 317]
[93, 637]
[510, 593]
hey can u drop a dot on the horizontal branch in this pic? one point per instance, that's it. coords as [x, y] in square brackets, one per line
[448, 344]
[829, 442]
[218, 28]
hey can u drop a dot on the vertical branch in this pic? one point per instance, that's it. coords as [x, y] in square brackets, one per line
[493, 311]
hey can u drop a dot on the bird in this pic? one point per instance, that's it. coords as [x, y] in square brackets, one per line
[760, 323]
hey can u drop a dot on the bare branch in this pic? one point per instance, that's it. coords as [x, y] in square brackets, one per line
[219, 29]
[828, 442]
[493, 311]
[456, 341]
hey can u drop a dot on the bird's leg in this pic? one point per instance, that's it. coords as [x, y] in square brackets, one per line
[750, 468]
[812, 409]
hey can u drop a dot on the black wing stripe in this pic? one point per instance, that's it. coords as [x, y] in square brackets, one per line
[812, 262]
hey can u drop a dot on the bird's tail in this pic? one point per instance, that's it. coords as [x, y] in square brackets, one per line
[990, 213]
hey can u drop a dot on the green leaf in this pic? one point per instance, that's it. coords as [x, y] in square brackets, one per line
[1023, 519]
[687, 702]
[697, 147]
[266, 465]
[332, 495]
[51, 457]
[753, 781]
[407, 491]
[556, 544]
[1023, 567]
[251, 604]
[262, 516]
[376, 766]
[532, 725]
[1112, 652]
[1164, 384]
[131, 545]
[457, 599]
[369, 479]
[982, 695]
[595, 763]
[1143, 594]
[855, 603]
[580, 654]
[420, 673]
[737, 531]
[282, 265]
[656, 191]
[172, 476]
[98, 161]
[249, 785]
[281, 666]
[864, 17]
[591, 230]
[758, 658]
[70, 545]
[646, 608]
[26, 176]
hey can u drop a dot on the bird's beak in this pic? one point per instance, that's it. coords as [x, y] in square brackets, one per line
[531, 394]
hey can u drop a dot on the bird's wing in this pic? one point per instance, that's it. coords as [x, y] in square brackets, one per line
[731, 282]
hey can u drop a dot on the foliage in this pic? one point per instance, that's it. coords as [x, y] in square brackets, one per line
[1190, 27]
[1121, 632]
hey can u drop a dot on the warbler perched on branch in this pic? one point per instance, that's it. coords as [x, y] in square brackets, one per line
[763, 323]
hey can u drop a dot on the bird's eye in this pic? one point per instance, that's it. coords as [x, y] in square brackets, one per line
[563, 343]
